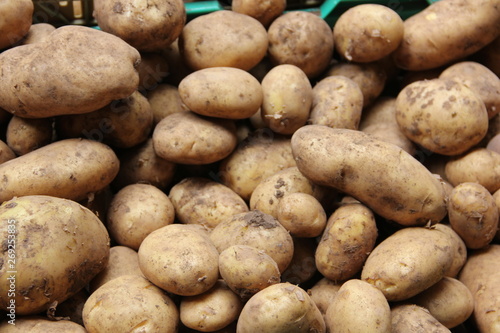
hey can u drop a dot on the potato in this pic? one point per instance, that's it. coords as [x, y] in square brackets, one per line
[222, 92]
[302, 267]
[434, 36]
[494, 144]
[165, 99]
[209, 41]
[323, 293]
[337, 102]
[152, 70]
[414, 318]
[137, 210]
[349, 237]
[15, 22]
[496, 196]
[301, 214]
[479, 165]
[35, 228]
[130, 303]
[39, 324]
[287, 99]
[282, 307]
[149, 26]
[24, 135]
[37, 33]
[259, 156]
[49, 79]
[6, 153]
[247, 270]
[459, 251]
[258, 230]
[367, 32]
[442, 115]
[71, 169]
[213, 310]
[479, 79]
[205, 202]
[358, 307]
[489, 56]
[302, 39]
[409, 261]
[480, 274]
[179, 259]
[449, 301]
[188, 138]
[178, 69]
[263, 11]
[337, 158]
[473, 214]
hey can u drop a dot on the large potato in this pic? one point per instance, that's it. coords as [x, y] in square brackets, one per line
[15, 21]
[396, 186]
[71, 169]
[55, 76]
[36, 230]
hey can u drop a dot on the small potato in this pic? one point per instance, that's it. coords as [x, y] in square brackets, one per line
[39, 324]
[130, 303]
[302, 39]
[164, 99]
[441, 115]
[287, 99]
[25, 135]
[263, 11]
[413, 318]
[247, 270]
[459, 251]
[209, 41]
[358, 307]
[282, 307]
[213, 310]
[6, 153]
[37, 33]
[152, 70]
[323, 293]
[479, 165]
[302, 267]
[180, 259]
[205, 202]
[473, 214]
[222, 92]
[137, 210]
[188, 138]
[16, 20]
[409, 261]
[349, 237]
[337, 102]
[494, 144]
[449, 301]
[302, 215]
[367, 32]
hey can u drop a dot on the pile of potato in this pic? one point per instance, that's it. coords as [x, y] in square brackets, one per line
[250, 170]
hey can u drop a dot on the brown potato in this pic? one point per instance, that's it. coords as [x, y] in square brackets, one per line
[459, 251]
[71, 308]
[6, 153]
[15, 22]
[494, 144]
[496, 196]
[152, 70]
[164, 99]
[263, 11]
[301, 214]
[37, 33]
[25, 135]
[323, 292]
[302, 267]
[413, 318]
[39, 324]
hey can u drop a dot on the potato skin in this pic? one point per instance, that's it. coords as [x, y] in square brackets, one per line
[24, 134]
[49, 227]
[302, 215]
[16, 20]
[414, 318]
[71, 169]
[37, 33]
[39, 324]
[337, 158]
[263, 11]
[460, 250]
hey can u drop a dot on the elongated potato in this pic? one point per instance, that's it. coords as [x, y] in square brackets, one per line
[71, 169]
[396, 186]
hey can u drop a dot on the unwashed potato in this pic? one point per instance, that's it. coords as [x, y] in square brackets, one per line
[435, 36]
[263, 11]
[39, 324]
[37, 33]
[338, 158]
[302, 267]
[71, 169]
[473, 214]
[36, 228]
[49, 79]
[15, 21]
[209, 41]
[25, 135]
[202, 201]
[6, 153]
[137, 210]
[223, 306]
[358, 307]
[301, 214]
[413, 318]
[164, 99]
[459, 251]
[282, 307]
[409, 261]
[287, 98]
[323, 293]
[494, 144]
[189, 138]
[337, 102]
[148, 26]
[302, 39]
[130, 303]
[367, 32]
[201, 92]
[442, 115]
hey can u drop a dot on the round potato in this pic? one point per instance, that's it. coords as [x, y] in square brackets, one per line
[37, 33]
[302, 39]
[367, 32]
[222, 92]
[164, 99]
[413, 318]
[323, 293]
[188, 138]
[39, 324]
[223, 39]
[287, 99]
[16, 20]
[128, 303]
[25, 135]
[301, 214]
[6, 153]
[263, 11]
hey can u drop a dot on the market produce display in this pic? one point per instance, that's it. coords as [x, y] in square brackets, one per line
[256, 166]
